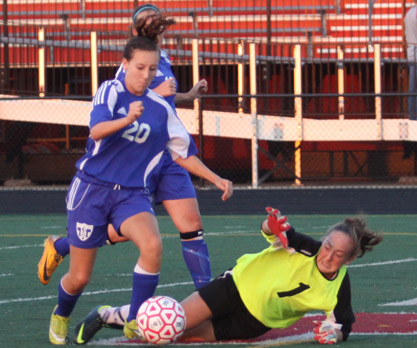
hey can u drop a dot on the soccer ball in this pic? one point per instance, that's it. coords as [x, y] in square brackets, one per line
[161, 320]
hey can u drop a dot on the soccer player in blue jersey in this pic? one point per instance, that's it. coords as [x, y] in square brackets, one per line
[130, 128]
[277, 286]
[172, 187]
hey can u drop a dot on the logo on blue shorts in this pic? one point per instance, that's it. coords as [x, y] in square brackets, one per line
[84, 231]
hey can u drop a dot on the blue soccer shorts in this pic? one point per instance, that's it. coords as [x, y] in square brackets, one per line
[93, 204]
[173, 183]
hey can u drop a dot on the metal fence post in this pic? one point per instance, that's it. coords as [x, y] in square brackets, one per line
[41, 64]
[340, 83]
[254, 112]
[94, 63]
[196, 77]
[240, 77]
[298, 107]
[377, 83]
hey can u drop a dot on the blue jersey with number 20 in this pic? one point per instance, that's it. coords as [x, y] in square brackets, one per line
[129, 156]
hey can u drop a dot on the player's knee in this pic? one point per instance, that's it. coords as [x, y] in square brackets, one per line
[80, 280]
[189, 223]
[152, 247]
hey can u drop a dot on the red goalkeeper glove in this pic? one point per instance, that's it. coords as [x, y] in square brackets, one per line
[278, 225]
[325, 332]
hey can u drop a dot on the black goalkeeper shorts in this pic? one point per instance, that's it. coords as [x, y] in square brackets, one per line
[231, 320]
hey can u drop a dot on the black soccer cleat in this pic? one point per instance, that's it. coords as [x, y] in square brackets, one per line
[89, 326]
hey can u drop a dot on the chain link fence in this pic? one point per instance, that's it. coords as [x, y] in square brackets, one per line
[340, 116]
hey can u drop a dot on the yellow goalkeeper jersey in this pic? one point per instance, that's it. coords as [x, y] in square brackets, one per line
[278, 287]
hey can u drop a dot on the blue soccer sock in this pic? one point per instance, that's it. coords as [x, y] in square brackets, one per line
[144, 286]
[196, 257]
[66, 302]
[62, 246]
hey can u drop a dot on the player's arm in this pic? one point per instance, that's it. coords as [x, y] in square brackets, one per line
[343, 311]
[277, 225]
[107, 128]
[198, 168]
[199, 88]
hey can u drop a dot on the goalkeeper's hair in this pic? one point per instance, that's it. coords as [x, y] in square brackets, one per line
[363, 239]
[152, 25]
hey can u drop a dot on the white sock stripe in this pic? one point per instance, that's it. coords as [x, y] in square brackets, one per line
[140, 270]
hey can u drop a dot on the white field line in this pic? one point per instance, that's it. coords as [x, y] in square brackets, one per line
[384, 263]
[21, 246]
[105, 291]
[307, 337]
[384, 333]
[412, 302]
[88, 293]
[281, 341]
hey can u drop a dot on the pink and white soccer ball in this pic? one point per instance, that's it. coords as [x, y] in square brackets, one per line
[161, 320]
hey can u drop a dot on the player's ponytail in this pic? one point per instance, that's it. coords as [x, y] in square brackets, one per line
[151, 25]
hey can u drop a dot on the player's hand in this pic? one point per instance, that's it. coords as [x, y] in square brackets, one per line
[278, 225]
[226, 186]
[325, 332]
[199, 88]
[135, 111]
[166, 88]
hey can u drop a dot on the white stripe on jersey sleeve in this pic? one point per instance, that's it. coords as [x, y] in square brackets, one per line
[107, 94]
[152, 164]
[166, 57]
[179, 137]
[120, 72]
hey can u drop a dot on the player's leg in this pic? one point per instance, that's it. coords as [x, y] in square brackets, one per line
[142, 230]
[69, 290]
[89, 205]
[113, 237]
[198, 323]
[174, 189]
[198, 315]
[99, 317]
[185, 215]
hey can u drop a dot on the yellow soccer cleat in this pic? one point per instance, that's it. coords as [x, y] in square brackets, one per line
[50, 260]
[131, 330]
[58, 329]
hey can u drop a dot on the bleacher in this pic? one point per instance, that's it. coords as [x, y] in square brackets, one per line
[332, 22]
[320, 26]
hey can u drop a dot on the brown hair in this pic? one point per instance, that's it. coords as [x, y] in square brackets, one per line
[141, 44]
[152, 25]
[363, 239]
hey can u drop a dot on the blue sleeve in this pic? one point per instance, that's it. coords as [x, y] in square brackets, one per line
[103, 103]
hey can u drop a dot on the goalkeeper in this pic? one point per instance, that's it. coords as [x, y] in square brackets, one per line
[273, 288]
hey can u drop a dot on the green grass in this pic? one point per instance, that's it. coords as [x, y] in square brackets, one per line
[25, 304]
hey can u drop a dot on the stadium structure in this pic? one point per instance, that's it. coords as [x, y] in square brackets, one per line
[299, 91]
